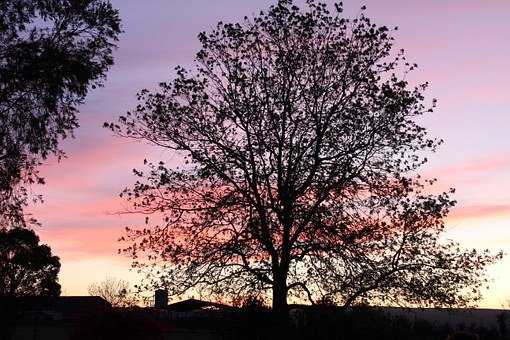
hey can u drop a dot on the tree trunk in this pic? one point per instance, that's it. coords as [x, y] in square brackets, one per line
[280, 306]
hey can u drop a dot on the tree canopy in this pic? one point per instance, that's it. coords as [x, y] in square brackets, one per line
[27, 268]
[301, 147]
[51, 53]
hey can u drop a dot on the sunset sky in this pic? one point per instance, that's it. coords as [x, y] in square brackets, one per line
[461, 46]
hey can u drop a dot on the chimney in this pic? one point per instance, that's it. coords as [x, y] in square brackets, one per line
[160, 298]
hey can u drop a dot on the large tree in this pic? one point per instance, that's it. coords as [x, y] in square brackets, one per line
[51, 53]
[300, 144]
[27, 268]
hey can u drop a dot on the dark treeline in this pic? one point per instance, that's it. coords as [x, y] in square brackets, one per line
[358, 323]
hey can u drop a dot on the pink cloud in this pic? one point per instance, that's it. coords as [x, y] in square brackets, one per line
[480, 211]
[472, 167]
[466, 6]
[83, 167]
[100, 206]
[84, 242]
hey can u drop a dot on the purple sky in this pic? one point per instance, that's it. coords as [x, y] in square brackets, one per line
[462, 48]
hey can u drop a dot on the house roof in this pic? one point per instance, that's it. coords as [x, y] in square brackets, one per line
[194, 304]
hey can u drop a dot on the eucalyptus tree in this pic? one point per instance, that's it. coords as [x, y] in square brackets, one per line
[51, 53]
[27, 268]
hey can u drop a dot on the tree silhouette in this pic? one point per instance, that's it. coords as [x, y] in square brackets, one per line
[115, 291]
[300, 147]
[51, 53]
[27, 268]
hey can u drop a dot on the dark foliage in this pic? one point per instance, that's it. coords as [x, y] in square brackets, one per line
[51, 53]
[369, 323]
[301, 145]
[359, 322]
[250, 302]
[27, 268]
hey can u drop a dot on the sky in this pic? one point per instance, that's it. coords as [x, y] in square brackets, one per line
[461, 47]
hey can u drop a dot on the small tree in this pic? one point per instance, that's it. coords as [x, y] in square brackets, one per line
[27, 268]
[115, 291]
[301, 146]
[51, 53]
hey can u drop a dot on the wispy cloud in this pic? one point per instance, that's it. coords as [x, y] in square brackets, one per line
[480, 211]
[473, 167]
